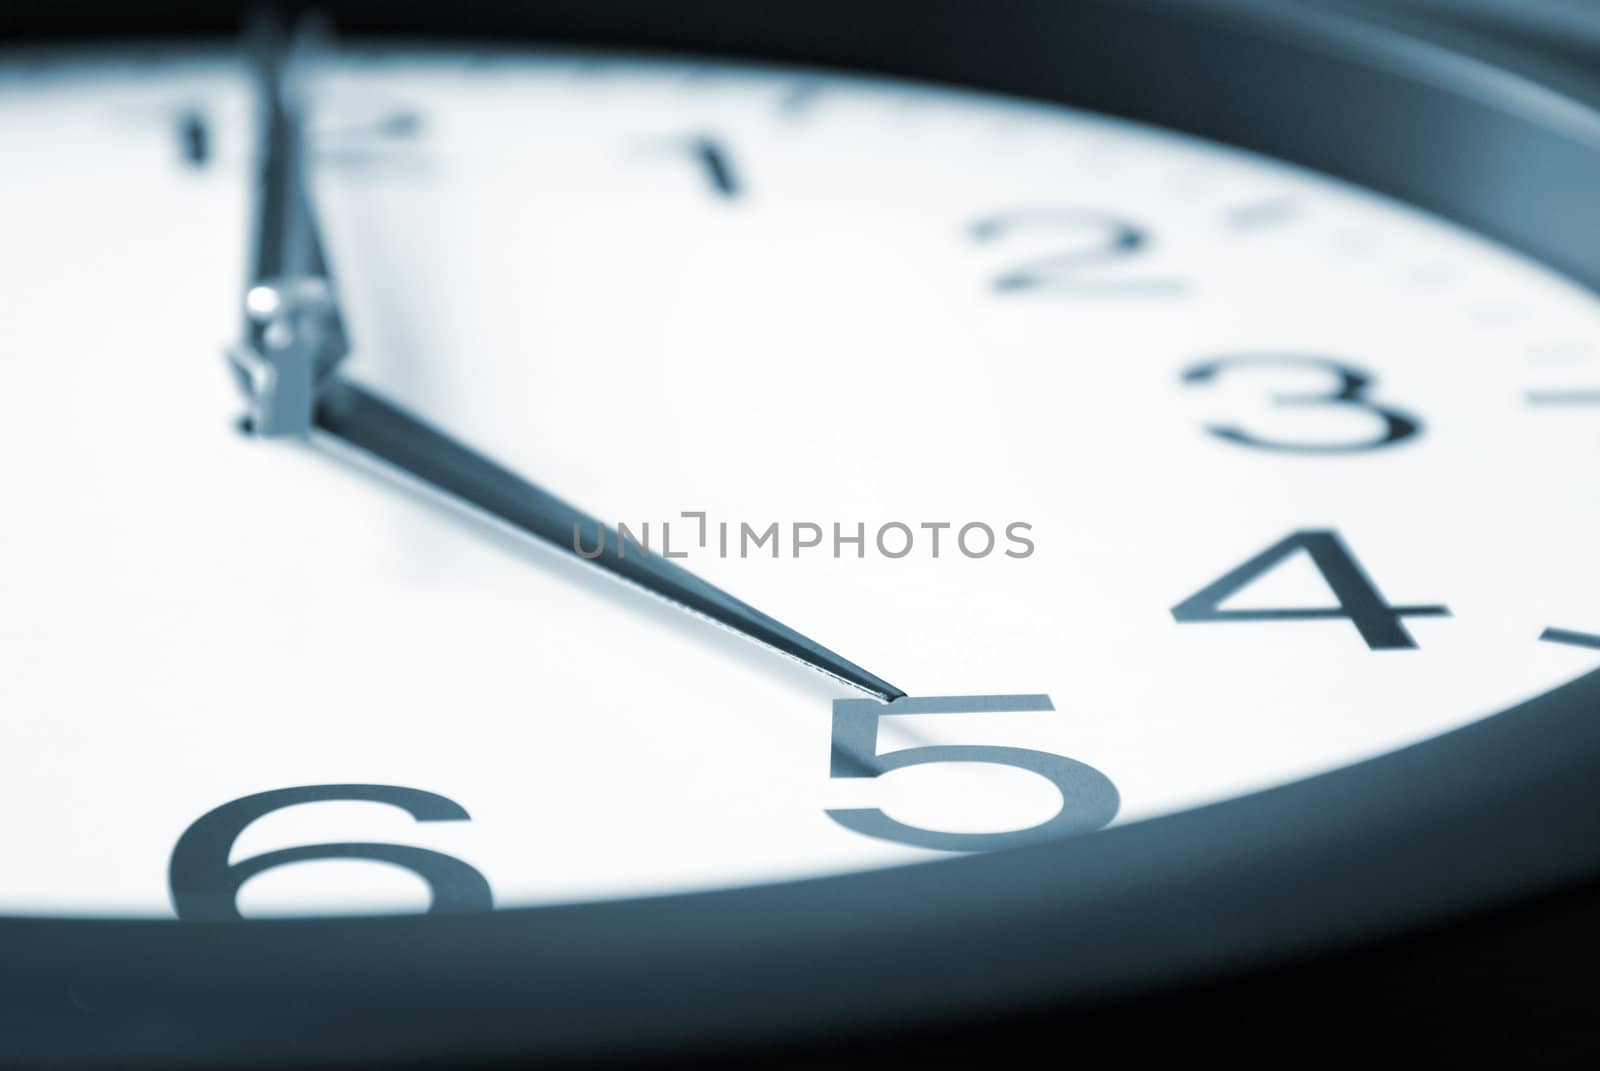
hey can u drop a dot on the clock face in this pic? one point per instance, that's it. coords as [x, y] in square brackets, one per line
[1156, 472]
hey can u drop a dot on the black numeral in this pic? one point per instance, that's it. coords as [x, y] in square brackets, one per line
[1098, 240]
[1348, 388]
[1088, 798]
[713, 162]
[1380, 624]
[206, 886]
[718, 168]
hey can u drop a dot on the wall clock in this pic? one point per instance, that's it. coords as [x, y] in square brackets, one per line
[616, 531]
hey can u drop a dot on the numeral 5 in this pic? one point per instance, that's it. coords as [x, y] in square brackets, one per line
[1089, 800]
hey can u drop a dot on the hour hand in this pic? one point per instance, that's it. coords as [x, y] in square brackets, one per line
[293, 334]
[362, 419]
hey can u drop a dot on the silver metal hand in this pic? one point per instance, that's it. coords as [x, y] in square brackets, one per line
[294, 340]
[293, 334]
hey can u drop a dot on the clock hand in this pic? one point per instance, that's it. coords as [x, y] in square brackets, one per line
[293, 334]
[361, 419]
[294, 338]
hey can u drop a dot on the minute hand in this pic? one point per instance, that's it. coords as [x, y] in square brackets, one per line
[294, 334]
[362, 419]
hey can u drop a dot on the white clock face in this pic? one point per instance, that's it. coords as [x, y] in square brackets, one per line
[771, 297]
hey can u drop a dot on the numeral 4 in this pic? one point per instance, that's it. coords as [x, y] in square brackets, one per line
[1379, 623]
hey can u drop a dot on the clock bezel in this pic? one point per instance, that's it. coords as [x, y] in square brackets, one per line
[1492, 812]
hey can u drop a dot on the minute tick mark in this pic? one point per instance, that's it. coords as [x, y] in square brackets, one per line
[194, 139]
[1563, 397]
[799, 100]
[1261, 214]
[1561, 353]
[1570, 638]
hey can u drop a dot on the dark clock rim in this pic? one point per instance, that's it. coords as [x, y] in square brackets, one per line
[1501, 809]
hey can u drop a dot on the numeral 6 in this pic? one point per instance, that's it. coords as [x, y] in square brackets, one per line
[206, 886]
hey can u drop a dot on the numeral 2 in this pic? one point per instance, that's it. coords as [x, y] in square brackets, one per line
[1098, 239]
